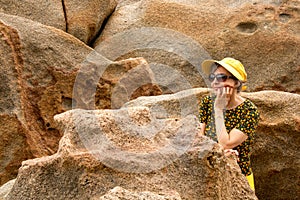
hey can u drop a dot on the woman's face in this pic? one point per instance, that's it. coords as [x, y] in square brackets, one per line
[220, 84]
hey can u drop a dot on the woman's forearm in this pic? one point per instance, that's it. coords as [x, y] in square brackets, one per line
[222, 135]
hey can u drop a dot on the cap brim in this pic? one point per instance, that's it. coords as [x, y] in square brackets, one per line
[206, 66]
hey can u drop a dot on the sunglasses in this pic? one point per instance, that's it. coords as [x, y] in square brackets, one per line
[219, 77]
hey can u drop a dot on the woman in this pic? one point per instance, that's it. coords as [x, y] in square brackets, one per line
[227, 117]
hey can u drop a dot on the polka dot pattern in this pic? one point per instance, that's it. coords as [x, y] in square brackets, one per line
[244, 118]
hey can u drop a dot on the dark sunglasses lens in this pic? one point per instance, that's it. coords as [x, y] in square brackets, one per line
[211, 77]
[219, 77]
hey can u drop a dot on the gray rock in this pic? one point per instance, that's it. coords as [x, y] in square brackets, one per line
[6, 188]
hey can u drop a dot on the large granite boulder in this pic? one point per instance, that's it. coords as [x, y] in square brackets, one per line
[263, 34]
[39, 68]
[275, 158]
[135, 150]
[82, 19]
[50, 13]
[85, 19]
[29, 53]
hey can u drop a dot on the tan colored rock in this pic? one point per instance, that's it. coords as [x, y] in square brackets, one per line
[85, 18]
[275, 158]
[275, 151]
[50, 13]
[132, 149]
[102, 85]
[36, 52]
[120, 193]
[29, 51]
[263, 34]
[176, 105]
[98, 84]
[39, 66]
[82, 19]
[14, 148]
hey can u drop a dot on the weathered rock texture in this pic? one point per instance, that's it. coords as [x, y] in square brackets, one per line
[120, 193]
[39, 66]
[101, 84]
[126, 154]
[274, 153]
[263, 34]
[82, 19]
[29, 53]
[276, 161]
[50, 13]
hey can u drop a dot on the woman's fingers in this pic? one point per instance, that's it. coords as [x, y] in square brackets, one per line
[231, 152]
[229, 91]
[223, 96]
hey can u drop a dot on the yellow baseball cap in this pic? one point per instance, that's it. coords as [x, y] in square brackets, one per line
[235, 67]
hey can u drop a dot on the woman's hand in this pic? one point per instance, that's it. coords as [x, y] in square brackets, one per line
[223, 96]
[232, 152]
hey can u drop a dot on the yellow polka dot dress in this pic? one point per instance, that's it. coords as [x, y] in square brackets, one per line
[244, 118]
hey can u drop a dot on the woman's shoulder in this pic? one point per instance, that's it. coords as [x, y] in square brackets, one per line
[249, 103]
[250, 106]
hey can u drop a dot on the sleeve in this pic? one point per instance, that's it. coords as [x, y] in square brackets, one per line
[203, 109]
[249, 122]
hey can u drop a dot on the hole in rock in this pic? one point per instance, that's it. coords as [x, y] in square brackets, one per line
[284, 17]
[67, 103]
[247, 27]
